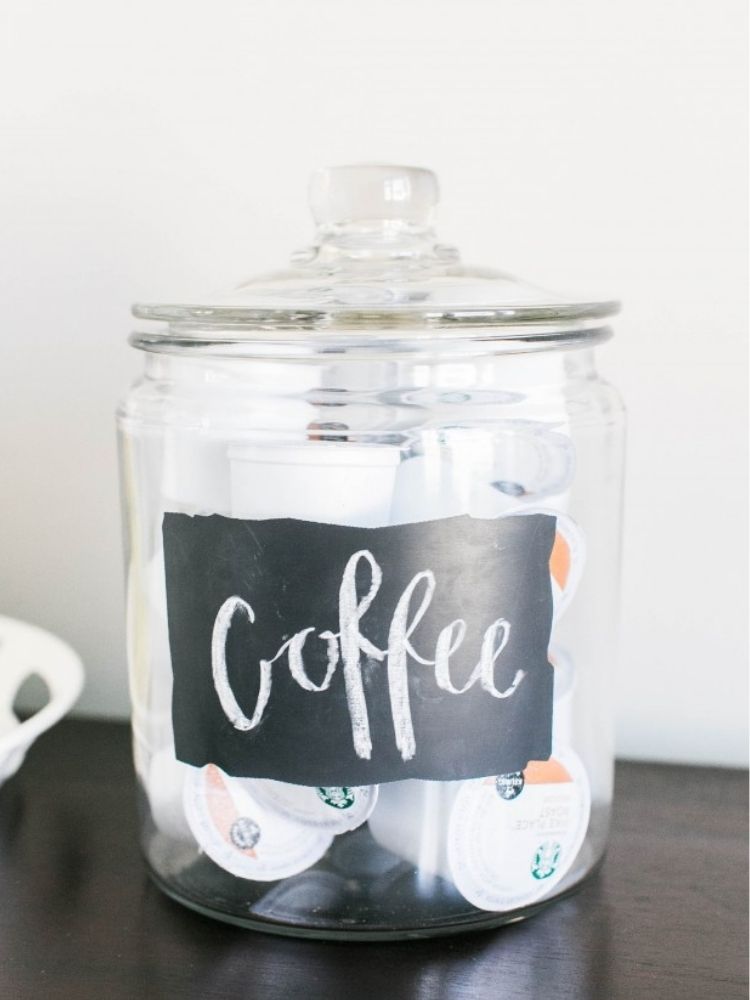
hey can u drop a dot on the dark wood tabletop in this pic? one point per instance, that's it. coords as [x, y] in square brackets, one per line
[666, 917]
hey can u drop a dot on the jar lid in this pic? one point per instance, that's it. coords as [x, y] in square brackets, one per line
[376, 265]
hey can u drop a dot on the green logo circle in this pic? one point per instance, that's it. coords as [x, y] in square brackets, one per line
[336, 797]
[546, 859]
[509, 786]
[244, 833]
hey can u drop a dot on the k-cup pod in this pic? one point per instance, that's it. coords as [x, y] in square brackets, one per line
[195, 464]
[334, 808]
[566, 562]
[327, 481]
[244, 837]
[151, 686]
[165, 787]
[562, 709]
[567, 558]
[519, 464]
[443, 482]
[141, 757]
[411, 820]
[513, 837]
[522, 461]
[429, 486]
[195, 473]
[424, 490]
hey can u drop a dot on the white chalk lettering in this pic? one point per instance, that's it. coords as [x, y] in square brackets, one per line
[353, 643]
[446, 646]
[348, 645]
[490, 653]
[399, 648]
[219, 667]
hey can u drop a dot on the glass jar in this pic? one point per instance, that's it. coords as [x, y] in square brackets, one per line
[373, 520]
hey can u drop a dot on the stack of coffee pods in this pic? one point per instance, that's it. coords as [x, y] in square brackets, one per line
[256, 829]
[503, 841]
[266, 830]
[151, 696]
[259, 832]
[194, 477]
[262, 829]
[512, 837]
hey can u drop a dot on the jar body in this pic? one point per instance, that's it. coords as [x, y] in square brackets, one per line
[378, 444]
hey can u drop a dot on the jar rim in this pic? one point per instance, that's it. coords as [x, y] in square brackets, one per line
[253, 319]
[306, 341]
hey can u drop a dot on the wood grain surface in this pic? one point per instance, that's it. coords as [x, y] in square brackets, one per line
[665, 918]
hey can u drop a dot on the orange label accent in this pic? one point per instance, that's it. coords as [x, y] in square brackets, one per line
[559, 561]
[541, 772]
[221, 807]
[545, 772]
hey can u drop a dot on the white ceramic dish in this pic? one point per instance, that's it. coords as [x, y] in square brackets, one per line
[26, 650]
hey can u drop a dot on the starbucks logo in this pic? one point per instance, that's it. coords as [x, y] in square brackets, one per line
[244, 833]
[546, 859]
[509, 786]
[337, 797]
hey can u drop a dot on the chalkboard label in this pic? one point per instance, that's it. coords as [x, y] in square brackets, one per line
[322, 654]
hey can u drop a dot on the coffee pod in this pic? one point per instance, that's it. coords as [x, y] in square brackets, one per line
[336, 809]
[442, 482]
[195, 466]
[432, 485]
[486, 474]
[425, 489]
[513, 837]
[411, 820]
[567, 557]
[151, 673]
[566, 562]
[244, 837]
[522, 462]
[165, 790]
[562, 708]
[195, 473]
[141, 758]
[428, 488]
[327, 481]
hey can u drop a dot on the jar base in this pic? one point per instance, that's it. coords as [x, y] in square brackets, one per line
[450, 927]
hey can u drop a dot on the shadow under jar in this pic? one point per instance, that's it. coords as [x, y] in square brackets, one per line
[373, 519]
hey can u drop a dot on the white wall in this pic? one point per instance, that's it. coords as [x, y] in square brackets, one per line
[156, 147]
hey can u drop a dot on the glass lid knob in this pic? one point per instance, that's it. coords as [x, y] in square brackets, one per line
[340, 196]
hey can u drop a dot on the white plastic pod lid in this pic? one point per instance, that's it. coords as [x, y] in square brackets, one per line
[376, 276]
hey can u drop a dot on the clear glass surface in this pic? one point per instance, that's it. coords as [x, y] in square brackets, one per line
[484, 436]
